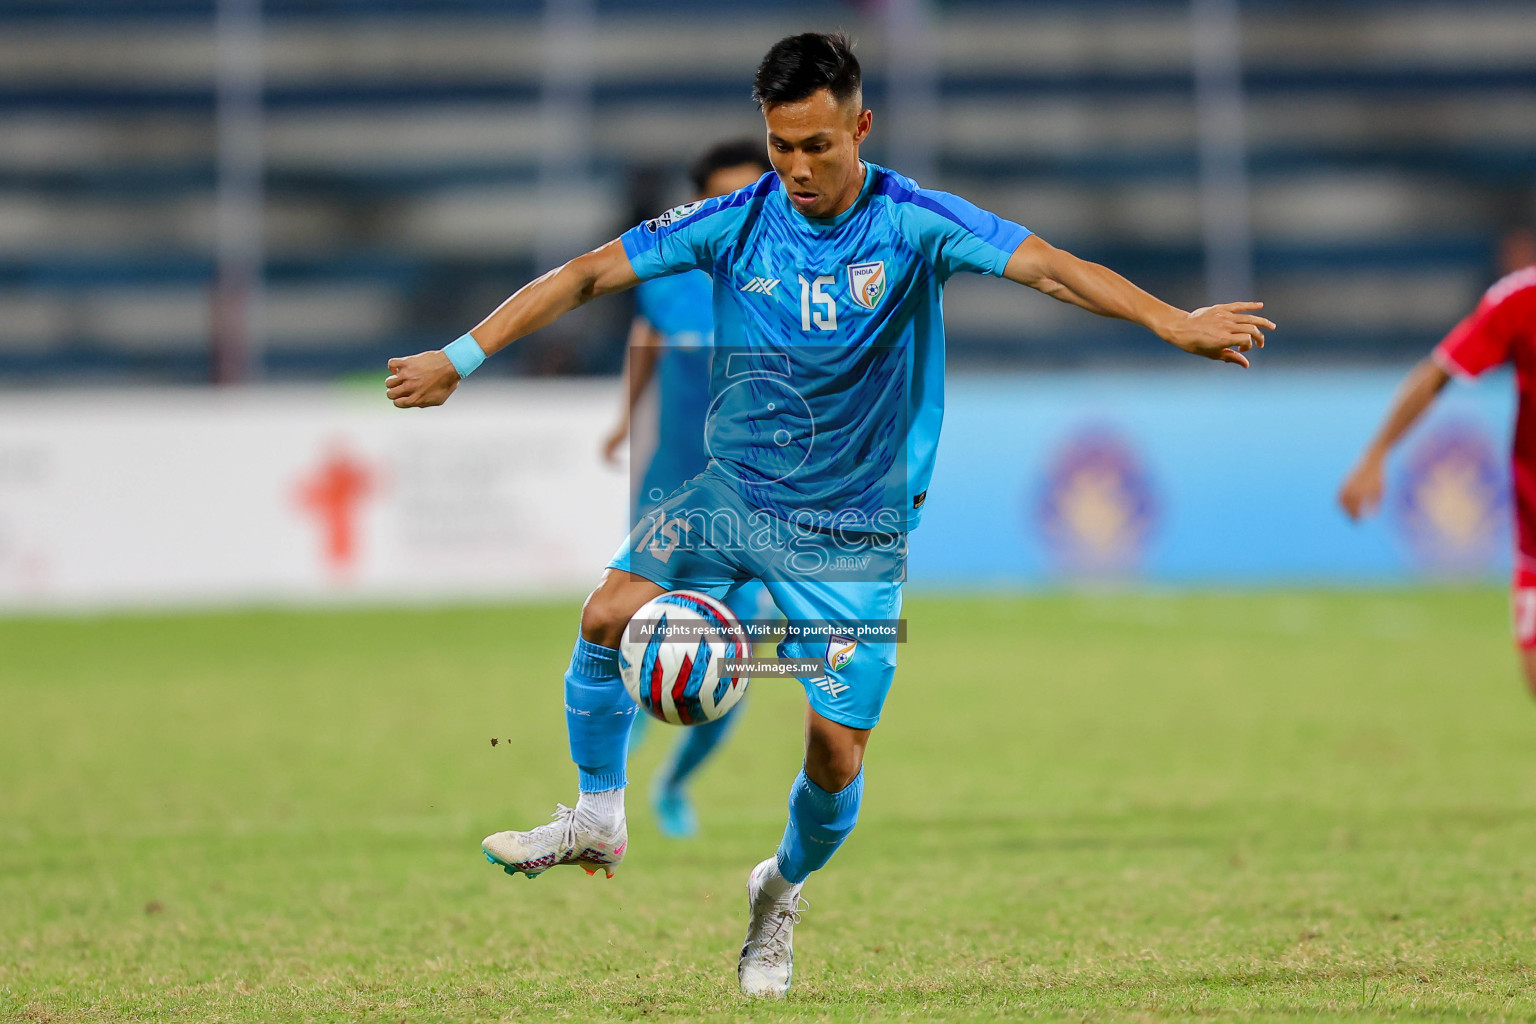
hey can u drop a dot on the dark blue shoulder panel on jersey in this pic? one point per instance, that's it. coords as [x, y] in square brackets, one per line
[992, 229]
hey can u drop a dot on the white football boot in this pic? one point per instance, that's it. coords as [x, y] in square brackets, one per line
[768, 956]
[560, 842]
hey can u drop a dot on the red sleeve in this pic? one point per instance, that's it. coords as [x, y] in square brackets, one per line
[1486, 338]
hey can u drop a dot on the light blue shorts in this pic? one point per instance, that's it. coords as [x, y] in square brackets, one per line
[705, 538]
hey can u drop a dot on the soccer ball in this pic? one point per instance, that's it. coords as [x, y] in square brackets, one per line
[673, 670]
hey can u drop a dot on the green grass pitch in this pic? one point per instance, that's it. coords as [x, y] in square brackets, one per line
[1273, 805]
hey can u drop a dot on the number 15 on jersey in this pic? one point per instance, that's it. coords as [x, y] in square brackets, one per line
[816, 305]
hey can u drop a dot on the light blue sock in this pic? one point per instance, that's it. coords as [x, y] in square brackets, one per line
[695, 746]
[818, 823]
[598, 715]
[640, 729]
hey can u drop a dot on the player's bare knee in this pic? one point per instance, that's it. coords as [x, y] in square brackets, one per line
[834, 753]
[842, 771]
[833, 766]
[609, 608]
[603, 617]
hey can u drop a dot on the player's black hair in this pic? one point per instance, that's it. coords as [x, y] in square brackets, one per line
[797, 66]
[733, 153]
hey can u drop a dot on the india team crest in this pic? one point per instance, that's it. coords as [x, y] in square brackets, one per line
[840, 652]
[866, 281]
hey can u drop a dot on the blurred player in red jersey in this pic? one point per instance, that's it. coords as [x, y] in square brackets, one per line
[1502, 329]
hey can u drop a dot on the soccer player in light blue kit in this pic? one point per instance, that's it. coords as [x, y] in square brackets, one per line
[828, 284]
[671, 341]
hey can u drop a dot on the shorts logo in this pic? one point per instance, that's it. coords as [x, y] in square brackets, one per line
[840, 652]
[673, 215]
[866, 282]
[830, 687]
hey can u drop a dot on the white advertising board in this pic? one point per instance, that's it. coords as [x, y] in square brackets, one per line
[187, 497]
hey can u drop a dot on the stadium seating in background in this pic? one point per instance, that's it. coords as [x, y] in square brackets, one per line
[1389, 143]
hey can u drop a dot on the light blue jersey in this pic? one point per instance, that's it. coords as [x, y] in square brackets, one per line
[678, 307]
[828, 382]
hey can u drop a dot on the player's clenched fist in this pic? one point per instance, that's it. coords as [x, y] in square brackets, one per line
[1223, 331]
[422, 380]
[1361, 493]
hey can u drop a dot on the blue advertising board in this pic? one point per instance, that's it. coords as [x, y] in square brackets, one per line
[1211, 477]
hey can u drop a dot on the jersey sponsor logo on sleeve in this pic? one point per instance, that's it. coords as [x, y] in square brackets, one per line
[866, 281]
[761, 285]
[673, 215]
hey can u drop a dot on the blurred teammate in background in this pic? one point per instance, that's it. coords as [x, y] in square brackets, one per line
[672, 340]
[1502, 329]
[828, 285]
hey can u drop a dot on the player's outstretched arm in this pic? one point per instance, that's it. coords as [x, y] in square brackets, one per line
[640, 357]
[1361, 492]
[1223, 332]
[428, 378]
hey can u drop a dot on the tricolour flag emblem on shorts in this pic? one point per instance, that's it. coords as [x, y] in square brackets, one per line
[840, 652]
[866, 282]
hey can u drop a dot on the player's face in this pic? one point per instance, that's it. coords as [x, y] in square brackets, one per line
[814, 146]
[728, 179]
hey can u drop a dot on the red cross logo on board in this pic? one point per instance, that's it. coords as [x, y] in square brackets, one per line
[333, 494]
